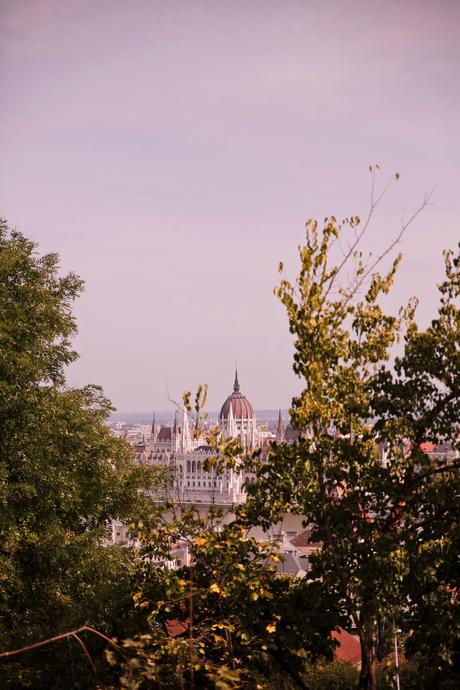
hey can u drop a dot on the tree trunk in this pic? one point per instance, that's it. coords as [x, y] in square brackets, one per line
[367, 680]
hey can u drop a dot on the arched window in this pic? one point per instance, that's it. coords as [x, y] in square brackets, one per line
[193, 466]
[188, 466]
[198, 466]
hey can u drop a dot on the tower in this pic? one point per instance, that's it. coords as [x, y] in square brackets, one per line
[154, 430]
[280, 429]
[175, 428]
[237, 418]
[185, 435]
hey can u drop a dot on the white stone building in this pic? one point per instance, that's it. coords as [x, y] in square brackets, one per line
[186, 454]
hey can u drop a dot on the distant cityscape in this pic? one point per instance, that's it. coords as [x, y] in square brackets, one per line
[133, 420]
[175, 441]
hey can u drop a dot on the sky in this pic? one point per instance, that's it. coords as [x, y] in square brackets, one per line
[170, 152]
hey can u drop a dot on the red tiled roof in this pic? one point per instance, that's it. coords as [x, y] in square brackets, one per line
[349, 648]
[302, 540]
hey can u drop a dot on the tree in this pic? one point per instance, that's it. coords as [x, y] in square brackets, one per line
[388, 522]
[389, 528]
[63, 477]
[225, 620]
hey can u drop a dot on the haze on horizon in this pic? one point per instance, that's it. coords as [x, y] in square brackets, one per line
[171, 152]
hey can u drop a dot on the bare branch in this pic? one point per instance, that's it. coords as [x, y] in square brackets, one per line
[391, 246]
[56, 638]
[85, 652]
[359, 235]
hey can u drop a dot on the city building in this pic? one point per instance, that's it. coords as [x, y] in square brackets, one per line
[185, 451]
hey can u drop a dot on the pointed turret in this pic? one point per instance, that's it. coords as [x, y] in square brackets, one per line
[236, 385]
[185, 435]
[175, 424]
[153, 430]
[280, 429]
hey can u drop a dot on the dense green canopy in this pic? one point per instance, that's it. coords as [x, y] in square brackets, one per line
[63, 477]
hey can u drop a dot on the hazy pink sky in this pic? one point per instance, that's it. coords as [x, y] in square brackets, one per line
[171, 151]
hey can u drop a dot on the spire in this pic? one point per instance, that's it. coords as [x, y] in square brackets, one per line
[253, 436]
[185, 436]
[280, 429]
[175, 424]
[236, 385]
[153, 425]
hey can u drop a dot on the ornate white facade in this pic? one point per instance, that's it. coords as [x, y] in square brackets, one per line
[186, 454]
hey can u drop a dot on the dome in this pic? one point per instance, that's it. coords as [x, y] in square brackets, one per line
[241, 407]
